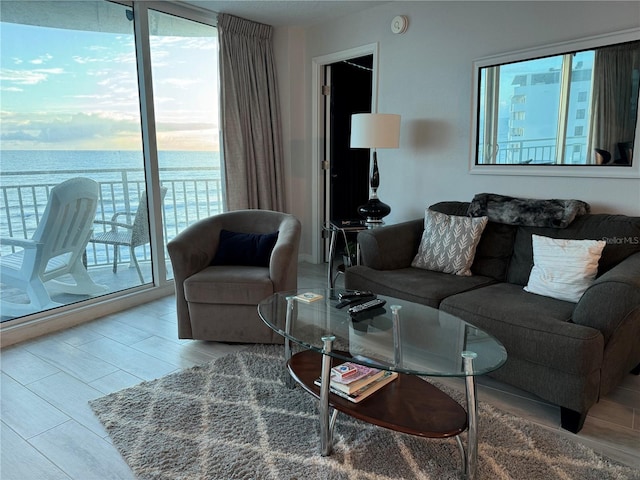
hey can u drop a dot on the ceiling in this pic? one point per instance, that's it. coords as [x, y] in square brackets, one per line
[280, 13]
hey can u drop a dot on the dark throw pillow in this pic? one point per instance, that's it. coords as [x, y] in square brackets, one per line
[249, 249]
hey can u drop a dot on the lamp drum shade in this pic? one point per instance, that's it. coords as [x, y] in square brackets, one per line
[375, 130]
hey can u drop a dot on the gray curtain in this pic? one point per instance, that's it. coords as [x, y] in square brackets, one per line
[615, 93]
[250, 115]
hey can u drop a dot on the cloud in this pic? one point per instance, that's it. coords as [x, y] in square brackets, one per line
[41, 59]
[19, 135]
[181, 82]
[185, 127]
[28, 77]
[50, 129]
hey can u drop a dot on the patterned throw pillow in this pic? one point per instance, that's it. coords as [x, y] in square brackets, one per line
[449, 243]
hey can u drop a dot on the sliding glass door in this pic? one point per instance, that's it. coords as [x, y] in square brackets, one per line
[71, 108]
[184, 69]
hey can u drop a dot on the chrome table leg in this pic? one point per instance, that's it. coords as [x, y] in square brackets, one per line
[287, 342]
[463, 454]
[326, 423]
[472, 414]
[397, 335]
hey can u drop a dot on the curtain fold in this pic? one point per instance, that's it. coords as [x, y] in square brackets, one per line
[615, 93]
[250, 116]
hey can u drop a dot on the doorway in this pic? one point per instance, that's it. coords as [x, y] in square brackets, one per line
[350, 91]
[338, 188]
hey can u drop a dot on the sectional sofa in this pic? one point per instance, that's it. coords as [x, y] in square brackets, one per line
[568, 352]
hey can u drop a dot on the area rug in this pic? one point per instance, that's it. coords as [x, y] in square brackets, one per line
[236, 419]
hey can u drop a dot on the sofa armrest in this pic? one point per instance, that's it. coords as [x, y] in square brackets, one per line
[611, 298]
[390, 247]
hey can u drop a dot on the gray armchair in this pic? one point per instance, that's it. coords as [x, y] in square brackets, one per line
[219, 302]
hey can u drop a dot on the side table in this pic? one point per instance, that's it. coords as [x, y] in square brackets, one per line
[336, 228]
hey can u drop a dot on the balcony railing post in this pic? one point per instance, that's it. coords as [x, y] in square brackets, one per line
[125, 192]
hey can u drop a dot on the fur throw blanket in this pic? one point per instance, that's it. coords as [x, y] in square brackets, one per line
[526, 211]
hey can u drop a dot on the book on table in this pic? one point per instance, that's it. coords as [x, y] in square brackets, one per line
[363, 392]
[308, 297]
[362, 377]
[356, 382]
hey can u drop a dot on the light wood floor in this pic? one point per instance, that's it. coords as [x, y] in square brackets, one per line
[49, 431]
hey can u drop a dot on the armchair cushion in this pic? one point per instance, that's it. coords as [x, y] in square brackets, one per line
[248, 249]
[228, 285]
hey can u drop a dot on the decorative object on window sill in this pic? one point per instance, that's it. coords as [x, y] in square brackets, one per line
[375, 130]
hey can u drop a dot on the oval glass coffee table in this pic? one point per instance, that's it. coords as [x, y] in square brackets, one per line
[411, 339]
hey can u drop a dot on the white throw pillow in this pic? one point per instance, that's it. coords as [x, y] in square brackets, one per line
[449, 242]
[563, 269]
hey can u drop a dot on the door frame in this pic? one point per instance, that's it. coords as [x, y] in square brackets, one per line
[318, 133]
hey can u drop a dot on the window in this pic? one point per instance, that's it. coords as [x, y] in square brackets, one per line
[580, 114]
[71, 108]
[185, 83]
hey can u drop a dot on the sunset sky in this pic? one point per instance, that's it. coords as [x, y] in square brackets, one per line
[65, 89]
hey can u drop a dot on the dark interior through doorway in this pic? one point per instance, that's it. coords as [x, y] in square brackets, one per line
[351, 90]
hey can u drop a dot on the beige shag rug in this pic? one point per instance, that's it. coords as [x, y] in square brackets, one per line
[236, 419]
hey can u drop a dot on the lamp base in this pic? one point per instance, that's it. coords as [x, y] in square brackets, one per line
[374, 210]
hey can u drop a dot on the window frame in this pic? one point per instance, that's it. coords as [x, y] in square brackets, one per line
[557, 170]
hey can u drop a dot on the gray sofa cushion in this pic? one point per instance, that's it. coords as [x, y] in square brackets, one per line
[532, 327]
[413, 284]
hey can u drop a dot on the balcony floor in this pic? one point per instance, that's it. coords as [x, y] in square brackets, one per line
[125, 277]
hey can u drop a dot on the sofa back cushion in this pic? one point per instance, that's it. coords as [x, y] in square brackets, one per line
[622, 234]
[494, 251]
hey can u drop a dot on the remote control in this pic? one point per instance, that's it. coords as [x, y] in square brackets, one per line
[354, 301]
[355, 294]
[371, 304]
[358, 318]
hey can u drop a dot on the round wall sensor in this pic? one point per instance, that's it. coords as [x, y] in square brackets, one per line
[399, 24]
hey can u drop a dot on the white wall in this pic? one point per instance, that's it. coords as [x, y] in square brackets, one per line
[426, 76]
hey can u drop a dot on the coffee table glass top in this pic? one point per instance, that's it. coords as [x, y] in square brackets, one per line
[425, 340]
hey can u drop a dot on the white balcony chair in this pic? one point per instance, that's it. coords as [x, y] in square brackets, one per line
[130, 235]
[55, 249]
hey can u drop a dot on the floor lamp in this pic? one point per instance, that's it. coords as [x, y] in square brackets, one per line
[375, 130]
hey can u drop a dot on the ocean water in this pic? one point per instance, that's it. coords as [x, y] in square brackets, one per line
[29, 167]
[26, 177]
